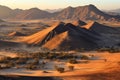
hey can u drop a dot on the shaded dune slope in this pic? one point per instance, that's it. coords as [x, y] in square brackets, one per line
[7, 44]
[79, 23]
[99, 28]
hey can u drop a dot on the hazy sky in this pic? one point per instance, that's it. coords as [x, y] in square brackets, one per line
[55, 4]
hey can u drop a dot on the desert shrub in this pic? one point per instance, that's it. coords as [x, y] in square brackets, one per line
[60, 69]
[73, 61]
[36, 61]
[17, 67]
[6, 66]
[11, 64]
[4, 59]
[45, 72]
[84, 57]
[112, 49]
[31, 67]
[23, 25]
[55, 67]
[1, 67]
[103, 49]
[71, 68]
[20, 61]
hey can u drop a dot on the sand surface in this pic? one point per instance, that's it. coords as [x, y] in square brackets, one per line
[94, 66]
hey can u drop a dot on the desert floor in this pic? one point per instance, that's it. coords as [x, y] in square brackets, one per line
[94, 66]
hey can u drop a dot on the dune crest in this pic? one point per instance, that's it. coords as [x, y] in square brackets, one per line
[16, 34]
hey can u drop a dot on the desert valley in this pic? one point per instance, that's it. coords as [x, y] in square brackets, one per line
[75, 43]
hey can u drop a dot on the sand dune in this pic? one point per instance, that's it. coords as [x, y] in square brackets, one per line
[78, 23]
[61, 34]
[58, 39]
[39, 36]
[100, 28]
[16, 34]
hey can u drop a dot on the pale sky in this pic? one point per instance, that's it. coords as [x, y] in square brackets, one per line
[55, 4]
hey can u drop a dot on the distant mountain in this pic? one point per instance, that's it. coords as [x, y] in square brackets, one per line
[1, 20]
[88, 12]
[33, 13]
[5, 12]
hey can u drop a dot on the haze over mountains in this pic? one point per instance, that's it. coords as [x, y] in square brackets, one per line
[112, 12]
[88, 12]
[53, 10]
[115, 10]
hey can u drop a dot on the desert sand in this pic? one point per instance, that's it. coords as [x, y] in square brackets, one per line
[93, 67]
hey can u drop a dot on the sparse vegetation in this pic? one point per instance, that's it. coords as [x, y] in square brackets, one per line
[110, 49]
[52, 55]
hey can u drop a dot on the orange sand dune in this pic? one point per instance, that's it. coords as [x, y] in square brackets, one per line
[57, 41]
[89, 25]
[39, 36]
[78, 23]
[56, 37]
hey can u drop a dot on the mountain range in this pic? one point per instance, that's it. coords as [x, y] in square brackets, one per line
[88, 12]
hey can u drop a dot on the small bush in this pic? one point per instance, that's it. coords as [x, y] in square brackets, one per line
[84, 57]
[20, 61]
[60, 69]
[31, 67]
[71, 68]
[4, 59]
[36, 62]
[1, 67]
[73, 61]
[11, 64]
